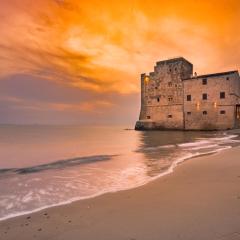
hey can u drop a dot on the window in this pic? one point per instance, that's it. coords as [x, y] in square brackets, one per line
[189, 113]
[204, 112]
[156, 87]
[227, 78]
[148, 117]
[158, 99]
[238, 111]
[170, 99]
[204, 81]
[170, 116]
[170, 84]
[222, 95]
[204, 96]
[189, 98]
[222, 112]
[175, 69]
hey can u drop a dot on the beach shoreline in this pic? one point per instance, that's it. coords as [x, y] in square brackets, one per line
[170, 200]
[171, 169]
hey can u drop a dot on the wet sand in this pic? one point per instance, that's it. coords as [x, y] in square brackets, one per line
[200, 200]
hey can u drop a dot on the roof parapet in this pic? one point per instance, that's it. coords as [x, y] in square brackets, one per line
[211, 75]
[171, 60]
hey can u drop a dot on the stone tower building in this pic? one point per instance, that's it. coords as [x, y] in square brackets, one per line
[172, 98]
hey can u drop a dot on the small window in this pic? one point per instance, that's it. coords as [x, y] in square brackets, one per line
[189, 98]
[148, 117]
[204, 81]
[158, 99]
[227, 78]
[222, 95]
[170, 99]
[204, 96]
[204, 112]
[175, 69]
[189, 113]
[169, 116]
[222, 112]
[170, 70]
[170, 84]
[156, 87]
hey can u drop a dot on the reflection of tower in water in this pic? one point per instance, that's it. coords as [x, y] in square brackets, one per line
[162, 148]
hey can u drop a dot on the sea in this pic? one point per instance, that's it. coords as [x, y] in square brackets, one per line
[44, 166]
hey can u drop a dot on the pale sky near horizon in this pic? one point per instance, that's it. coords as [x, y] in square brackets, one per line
[71, 61]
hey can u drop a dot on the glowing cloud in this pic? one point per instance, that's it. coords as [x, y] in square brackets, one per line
[103, 46]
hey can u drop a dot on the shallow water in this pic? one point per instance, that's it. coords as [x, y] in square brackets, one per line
[42, 166]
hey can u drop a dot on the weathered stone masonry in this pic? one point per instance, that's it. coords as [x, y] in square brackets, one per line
[172, 98]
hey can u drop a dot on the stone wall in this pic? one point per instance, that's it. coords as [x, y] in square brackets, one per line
[219, 113]
[164, 102]
[162, 94]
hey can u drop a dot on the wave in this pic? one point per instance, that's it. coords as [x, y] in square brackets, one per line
[210, 142]
[145, 149]
[168, 171]
[189, 149]
[199, 143]
[193, 144]
[58, 164]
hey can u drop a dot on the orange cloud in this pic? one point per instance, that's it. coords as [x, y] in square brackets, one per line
[95, 106]
[103, 46]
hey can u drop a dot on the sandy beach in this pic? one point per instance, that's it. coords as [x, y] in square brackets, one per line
[200, 200]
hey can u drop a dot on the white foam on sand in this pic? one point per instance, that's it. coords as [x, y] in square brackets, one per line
[28, 197]
[205, 146]
[159, 147]
[193, 144]
[209, 143]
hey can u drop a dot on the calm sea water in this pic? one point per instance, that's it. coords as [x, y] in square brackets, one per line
[42, 166]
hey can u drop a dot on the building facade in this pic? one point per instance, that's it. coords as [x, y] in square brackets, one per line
[172, 98]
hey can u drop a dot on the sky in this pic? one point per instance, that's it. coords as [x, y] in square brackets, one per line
[79, 61]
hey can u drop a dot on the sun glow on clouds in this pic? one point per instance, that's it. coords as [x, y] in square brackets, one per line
[103, 46]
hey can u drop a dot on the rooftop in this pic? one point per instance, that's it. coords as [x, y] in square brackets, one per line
[173, 60]
[212, 75]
